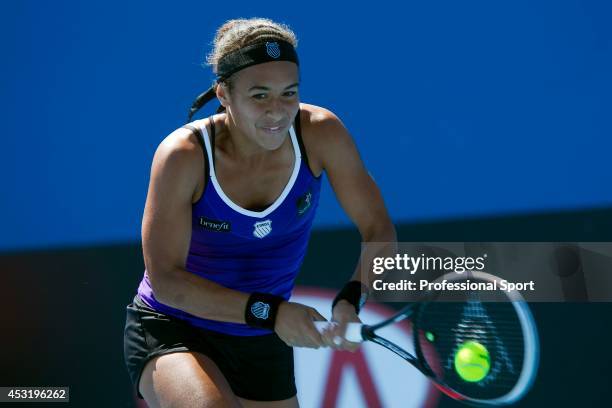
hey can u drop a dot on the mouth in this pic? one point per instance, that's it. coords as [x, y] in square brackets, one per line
[272, 129]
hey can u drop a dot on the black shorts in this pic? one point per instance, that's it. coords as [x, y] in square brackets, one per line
[256, 367]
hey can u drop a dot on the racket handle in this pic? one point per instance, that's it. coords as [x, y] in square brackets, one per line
[353, 330]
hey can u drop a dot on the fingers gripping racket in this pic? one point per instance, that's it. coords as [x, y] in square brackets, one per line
[503, 328]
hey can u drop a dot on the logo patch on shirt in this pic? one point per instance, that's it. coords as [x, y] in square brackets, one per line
[214, 225]
[260, 310]
[262, 228]
[303, 203]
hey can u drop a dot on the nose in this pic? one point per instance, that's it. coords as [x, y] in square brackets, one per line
[274, 110]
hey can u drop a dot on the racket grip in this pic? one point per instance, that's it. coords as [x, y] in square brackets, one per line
[353, 330]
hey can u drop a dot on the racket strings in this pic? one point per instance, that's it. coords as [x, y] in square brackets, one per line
[495, 327]
[476, 325]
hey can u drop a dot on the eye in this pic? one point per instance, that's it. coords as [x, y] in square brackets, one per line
[259, 96]
[290, 93]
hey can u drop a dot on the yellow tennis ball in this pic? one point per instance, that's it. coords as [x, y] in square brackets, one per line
[472, 361]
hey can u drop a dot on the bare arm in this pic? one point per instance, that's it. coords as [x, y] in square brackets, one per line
[354, 187]
[336, 153]
[166, 234]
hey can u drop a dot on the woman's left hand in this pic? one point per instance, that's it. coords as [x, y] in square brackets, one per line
[343, 313]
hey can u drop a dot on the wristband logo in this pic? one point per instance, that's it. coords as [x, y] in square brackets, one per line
[260, 310]
[272, 49]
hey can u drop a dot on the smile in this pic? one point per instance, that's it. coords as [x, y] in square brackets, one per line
[274, 129]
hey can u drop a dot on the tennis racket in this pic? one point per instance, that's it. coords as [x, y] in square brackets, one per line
[503, 325]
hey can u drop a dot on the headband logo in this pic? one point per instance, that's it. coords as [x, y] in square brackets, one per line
[272, 49]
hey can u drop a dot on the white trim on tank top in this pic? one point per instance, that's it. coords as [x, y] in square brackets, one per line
[233, 205]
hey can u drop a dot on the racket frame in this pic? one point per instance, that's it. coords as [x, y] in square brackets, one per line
[530, 343]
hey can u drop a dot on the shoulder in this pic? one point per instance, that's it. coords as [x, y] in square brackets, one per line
[179, 157]
[180, 146]
[323, 133]
[320, 121]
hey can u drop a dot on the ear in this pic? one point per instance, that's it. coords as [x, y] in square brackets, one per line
[223, 94]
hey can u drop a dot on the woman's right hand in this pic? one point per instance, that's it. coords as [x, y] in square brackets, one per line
[294, 325]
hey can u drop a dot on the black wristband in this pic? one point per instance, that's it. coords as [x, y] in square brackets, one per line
[261, 310]
[351, 292]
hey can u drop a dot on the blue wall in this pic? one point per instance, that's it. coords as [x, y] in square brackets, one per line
[458, 108]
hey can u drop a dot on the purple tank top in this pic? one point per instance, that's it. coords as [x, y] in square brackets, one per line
[249, 251]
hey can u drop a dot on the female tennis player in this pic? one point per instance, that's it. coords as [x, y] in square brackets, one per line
[228, 215]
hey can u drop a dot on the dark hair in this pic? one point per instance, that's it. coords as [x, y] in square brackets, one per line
[231, 36]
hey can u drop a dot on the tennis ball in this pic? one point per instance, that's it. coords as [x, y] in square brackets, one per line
[472, 361]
